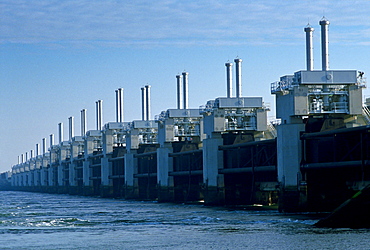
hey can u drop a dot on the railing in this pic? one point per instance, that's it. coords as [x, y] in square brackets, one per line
[281, 86]
[361, 81]
[366, 113]
[272, 129]
[317, 107]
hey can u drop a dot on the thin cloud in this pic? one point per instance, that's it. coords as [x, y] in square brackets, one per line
[161, 22]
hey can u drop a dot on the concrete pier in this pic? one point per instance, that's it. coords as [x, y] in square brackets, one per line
[289, 155]
[212, 162]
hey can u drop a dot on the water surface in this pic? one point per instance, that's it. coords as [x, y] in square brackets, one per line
[53, 221]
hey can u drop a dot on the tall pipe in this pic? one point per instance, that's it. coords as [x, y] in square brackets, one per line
[122, 104]
[51, 140]
[229, 79]
[119, 105]
[31, 154]
[60, 125]
[309, 47]
[99, 114]
[238, 71]
[19, 159]
[185, 85]
[324, 44]
[37, 149]
[71, 128]
[179, 91]
[100, 102]
[26, 157]
[43, 146]
[143, 104]
[83, 122]
[147, 91]
[22, 158]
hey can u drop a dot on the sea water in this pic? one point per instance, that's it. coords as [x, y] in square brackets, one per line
[55, 221]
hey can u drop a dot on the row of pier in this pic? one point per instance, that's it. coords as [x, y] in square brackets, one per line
[176, 157]
[226, 152]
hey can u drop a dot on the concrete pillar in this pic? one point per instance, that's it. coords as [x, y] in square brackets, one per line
[164, 165]
[63, 151]
[33, 177]
[50, 176]
[53, 161]
[12, 179]
[106, 165]
[87, 183]
[131, 188]
[19, 178]
[212, 162]
[108, 141]
[29, 174]
[60, 174]
[289, 151]
[36, 178]
[29, 178]
[23, 179]
[88, 188]
[72, 173]
[37, 169]
[26, 177]
[76, 149]
[106, 171]
[20, 181]
[43, 174]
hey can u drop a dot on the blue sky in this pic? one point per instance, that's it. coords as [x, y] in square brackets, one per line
[58, 57]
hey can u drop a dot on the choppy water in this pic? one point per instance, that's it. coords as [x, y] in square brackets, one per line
[48, 221]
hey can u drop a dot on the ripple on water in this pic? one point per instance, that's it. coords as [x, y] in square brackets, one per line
[88, 222]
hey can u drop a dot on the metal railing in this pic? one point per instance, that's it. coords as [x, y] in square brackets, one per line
[366, 113]
[272, 129]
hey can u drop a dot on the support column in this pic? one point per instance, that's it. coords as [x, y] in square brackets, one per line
[60, 174]
[50, 176]
[36, 178]
[289, 154]
[44, 171]
[106, 165]
[42, 176]
[72, 174]
[77, 145]
[91, 141]
[87, 183]
[212, 162]
[131, 186]
[72, 178]
[164, 165]
[106, 183]
[29, 174]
